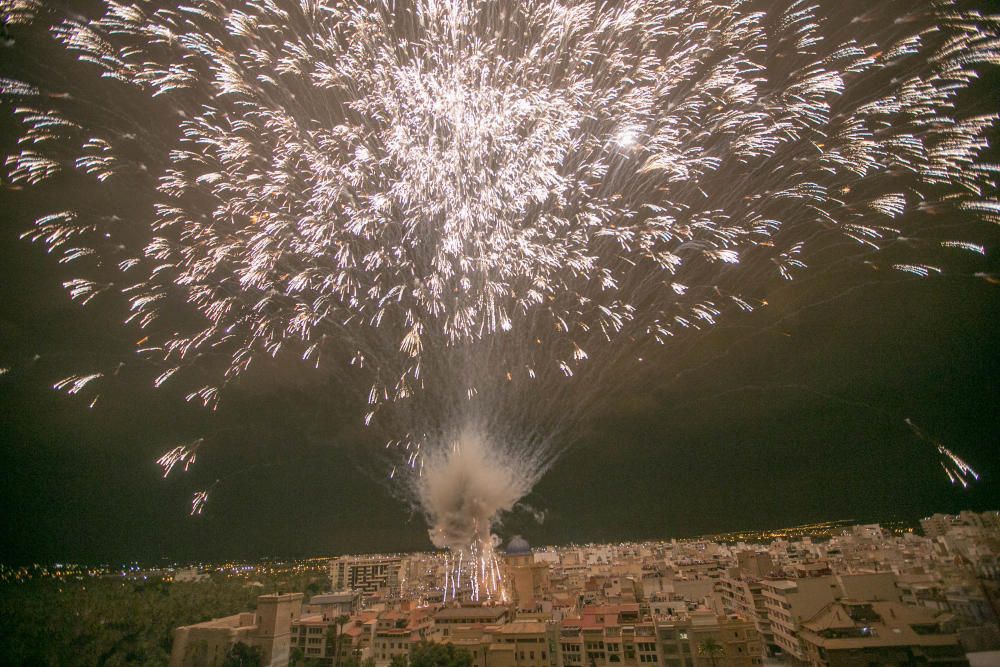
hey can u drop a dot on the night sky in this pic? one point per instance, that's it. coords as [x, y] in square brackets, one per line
[792, 414]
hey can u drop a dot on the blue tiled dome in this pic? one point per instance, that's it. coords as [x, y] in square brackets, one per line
[518, 545]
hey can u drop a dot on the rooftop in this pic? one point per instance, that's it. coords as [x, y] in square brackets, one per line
[241, 620]
[521, 627]
[462, 613]
[848, 624]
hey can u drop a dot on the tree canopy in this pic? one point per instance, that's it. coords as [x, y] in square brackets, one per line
[430, 654]
[243, 655]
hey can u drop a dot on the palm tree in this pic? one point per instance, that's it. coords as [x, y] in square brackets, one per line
[711, 648]
[340, 622]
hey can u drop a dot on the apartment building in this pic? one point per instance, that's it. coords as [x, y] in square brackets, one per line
[745, 599]
[315, 636]
[705, 638]
[613, 636]
[848, 633]
[449, 618]
[396, 631]
[369, 574]
[522, 644]
[790, 602]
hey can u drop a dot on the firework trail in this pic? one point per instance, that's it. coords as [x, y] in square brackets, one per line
[482, 206]
[957, 470]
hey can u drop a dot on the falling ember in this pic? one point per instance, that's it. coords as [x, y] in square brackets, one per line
[198, 502]
[75, 383]
[954, 466]
[186, 454]
[473, 573]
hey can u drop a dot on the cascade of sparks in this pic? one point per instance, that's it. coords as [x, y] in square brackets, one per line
[472, 201]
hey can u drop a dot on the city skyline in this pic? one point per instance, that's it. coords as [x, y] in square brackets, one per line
[819, 532]
[762, 600]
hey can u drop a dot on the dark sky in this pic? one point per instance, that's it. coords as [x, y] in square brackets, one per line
[789, 415]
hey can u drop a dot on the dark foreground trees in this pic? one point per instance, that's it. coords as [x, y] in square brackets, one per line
[113, 621]
[427, 654]
[243, 655]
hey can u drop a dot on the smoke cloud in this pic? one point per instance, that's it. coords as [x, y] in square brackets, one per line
[466, 487]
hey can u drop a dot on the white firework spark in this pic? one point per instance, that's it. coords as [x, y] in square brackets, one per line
[954, 466]
[198, 502]
[471, 201]
[74, 384]
[186, 454]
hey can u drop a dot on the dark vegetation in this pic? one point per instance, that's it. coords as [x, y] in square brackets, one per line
[98, 621]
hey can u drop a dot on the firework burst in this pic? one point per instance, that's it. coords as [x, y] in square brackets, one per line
[471, 201]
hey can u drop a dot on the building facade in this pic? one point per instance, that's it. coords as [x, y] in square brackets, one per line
[371, 575]
[269, 629]
[849, 633]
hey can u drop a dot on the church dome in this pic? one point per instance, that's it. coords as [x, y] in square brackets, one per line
[518, 545]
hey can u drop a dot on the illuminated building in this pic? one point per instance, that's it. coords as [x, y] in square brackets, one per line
[449, 618]
[269, 628]
[396, 631]
[314, 635]
[373, 574]
[528, 581]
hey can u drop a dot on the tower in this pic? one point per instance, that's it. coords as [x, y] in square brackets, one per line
[275, 614]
